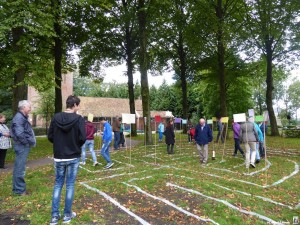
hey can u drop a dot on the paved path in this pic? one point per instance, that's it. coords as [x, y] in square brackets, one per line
[31, 164]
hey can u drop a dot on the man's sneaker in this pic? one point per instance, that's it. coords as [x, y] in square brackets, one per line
[252, 165]
[82, 163]
[109, 165]
[54, 220]
[67, 219]
[95, 163]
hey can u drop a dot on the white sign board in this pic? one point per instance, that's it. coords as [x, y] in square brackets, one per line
[209, 121]
[184, 121]
[266, 116]
[128, 118]
[241, 117]
[251, 112]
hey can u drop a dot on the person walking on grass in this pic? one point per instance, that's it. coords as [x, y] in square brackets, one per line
[248, 135]
[106, 140]
[67, 133]
[24, 138]
[89, 143]
[203, 136]
[170, 137]
[236, 132]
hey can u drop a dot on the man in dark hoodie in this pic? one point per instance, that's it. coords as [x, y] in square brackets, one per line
[67, 133]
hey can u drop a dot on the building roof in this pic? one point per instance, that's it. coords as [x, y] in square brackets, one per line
[113, 107]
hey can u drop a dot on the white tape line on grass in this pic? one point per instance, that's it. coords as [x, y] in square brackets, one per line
[247, 182]
[259, 171]
[124, 163]
[112, 200]
[287, 177]
[267, 219]
[170, 204]
[256, 196]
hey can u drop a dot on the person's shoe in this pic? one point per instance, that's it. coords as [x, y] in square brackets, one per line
[252, 165]
[243, 156]
[95, 163]
[257, 161]
[54, 220]
[82, 163]
[109, 165]
[67, 219]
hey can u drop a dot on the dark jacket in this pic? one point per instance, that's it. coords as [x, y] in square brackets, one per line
[90, 130]
[67, 133]
[21, 130]
[203, 137]
[170, 135]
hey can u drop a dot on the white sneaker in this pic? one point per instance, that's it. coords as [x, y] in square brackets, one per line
[67, 219]
[109, 165]
[95, 163]
[82, 163]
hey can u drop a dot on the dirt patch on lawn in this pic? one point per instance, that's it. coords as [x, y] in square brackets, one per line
[10, 219]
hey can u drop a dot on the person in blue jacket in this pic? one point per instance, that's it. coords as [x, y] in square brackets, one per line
[106, 140]
[203, 136]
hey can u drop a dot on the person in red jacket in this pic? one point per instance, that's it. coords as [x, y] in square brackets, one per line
[89, 143]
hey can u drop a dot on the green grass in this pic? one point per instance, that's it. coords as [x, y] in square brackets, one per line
[218, 181]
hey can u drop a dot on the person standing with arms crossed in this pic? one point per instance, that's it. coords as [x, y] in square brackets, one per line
[24, 138]
[203, 136]
[67, 133]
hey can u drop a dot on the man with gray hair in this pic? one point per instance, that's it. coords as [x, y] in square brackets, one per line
[24, 138]
[203, 136]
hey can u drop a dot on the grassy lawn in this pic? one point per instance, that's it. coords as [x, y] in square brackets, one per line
[148, 186]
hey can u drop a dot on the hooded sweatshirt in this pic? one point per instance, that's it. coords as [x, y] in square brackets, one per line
[67, 133]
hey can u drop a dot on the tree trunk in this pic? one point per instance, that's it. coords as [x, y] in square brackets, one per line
[221, 61]
[131, 90]
[182, 58]
[269, 91]
[143, 61]
[57, 56]
[129, 46]
[19, 88]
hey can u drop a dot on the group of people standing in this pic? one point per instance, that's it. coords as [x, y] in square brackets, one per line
[70, 135]
[249, 133]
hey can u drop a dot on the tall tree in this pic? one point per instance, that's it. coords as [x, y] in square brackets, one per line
[24, 52]
[119, 26]
[144, 64]
[271, 24]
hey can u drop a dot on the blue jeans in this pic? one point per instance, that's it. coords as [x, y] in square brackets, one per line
[105, 151]
[88, 144]
[19, 184]
[64, 170]
[116, 139]
[160, 135]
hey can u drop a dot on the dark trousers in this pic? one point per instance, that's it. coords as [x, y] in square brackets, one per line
[261, 149]
[2, 157]
[122, 139]
[237, 146]
[170, 151]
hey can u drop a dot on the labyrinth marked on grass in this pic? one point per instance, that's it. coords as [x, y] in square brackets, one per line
[256, 196]
[170, 204]
[267, 219]
[116, 203]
